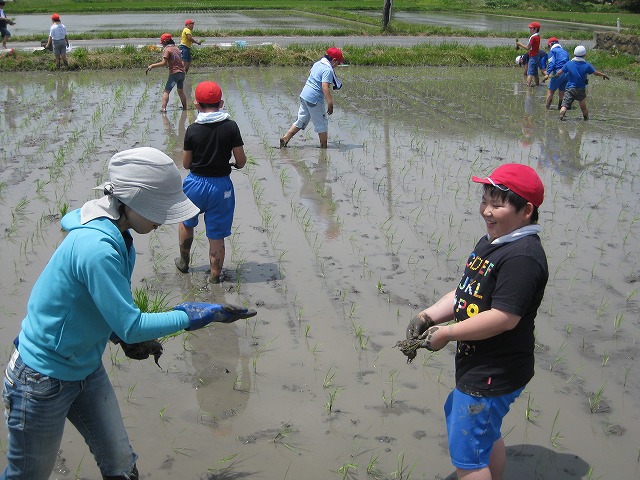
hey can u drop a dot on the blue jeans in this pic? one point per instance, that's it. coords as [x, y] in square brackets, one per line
[36, 407]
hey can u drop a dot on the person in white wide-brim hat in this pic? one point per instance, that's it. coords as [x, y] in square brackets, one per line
[83, 299]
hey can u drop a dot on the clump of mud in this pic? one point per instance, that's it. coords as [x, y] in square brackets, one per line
[409, 348]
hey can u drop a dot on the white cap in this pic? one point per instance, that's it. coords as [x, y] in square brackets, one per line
[580, 51]
[519, 60]
[148, 182]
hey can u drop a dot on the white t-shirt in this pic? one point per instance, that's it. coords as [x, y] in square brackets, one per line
[58, 31]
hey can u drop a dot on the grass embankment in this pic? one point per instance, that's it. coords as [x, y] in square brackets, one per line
[449, 54]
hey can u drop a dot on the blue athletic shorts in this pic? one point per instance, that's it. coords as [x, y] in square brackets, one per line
[314, 112]
[186, 53]
[5, 32]
[532, 69]
[214, 196]
[173, 80]
[473, 426]
[559, 83]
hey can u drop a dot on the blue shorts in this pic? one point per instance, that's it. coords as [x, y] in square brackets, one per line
[532, 68]
[173, 80]
[186, 53]
[473, 426]
[5, 32]
[559, 83]
[314, 112]
[214, 196]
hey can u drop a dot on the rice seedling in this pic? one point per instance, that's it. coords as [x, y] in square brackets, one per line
[559, 358]
[163, 414]
[362, 339]
[530, 412]
[223, 472]
[331, 399]
[328, 377]
[390, 399]
[555, 436]
[346, 470]
[617, 323]
[403, 472]
[627, 370]
[259, 353]
[595, 399]
[372, 470]
[130, 389]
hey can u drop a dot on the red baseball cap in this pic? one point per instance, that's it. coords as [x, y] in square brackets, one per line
[208, 92]
[518, 178]
[165, 37]
[552, 40]
[55, 17]
[188, 21]
[336, 53]
[534, 25]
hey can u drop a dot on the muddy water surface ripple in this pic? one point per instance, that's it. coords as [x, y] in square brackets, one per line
[337, 249]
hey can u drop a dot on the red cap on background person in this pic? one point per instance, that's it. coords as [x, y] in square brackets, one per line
[165, 37]
[335, 53]
[188, 22]
[534, 25]
[55, 17]
[208, 93]
[518, 178]
[552, 41]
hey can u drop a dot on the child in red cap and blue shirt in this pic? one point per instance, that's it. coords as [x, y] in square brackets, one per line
[493, 310]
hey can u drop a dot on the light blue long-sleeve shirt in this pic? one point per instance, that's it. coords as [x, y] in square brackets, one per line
[81, 297]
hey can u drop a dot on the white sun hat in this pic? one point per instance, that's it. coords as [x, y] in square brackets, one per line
[148, 182]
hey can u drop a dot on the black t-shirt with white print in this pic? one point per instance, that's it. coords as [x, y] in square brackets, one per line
[510, 277]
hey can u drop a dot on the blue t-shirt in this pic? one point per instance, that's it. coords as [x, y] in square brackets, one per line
[557, 58]
[312, 90]
[577, 71]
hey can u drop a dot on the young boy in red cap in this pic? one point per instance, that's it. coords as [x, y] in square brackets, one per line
[186, 40]
[172, 58]
[209, 144]
[58, 37]
[313, 96]
[493, 310]
[533, 46]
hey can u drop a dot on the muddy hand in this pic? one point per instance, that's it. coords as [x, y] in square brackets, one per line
[140, 350]
[434, 339]
[418, 325]
[202, 314]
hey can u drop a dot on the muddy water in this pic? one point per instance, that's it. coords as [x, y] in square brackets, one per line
[337, 249]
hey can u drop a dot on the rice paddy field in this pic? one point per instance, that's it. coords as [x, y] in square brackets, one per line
[337, 249]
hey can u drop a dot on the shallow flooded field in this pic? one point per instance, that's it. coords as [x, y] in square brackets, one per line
[337, 250]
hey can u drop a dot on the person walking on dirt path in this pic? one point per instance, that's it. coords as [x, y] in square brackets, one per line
[59, 40]
[186, 40]
[315, 92]
[493, 309]
[578, 71]
[557, 58]
[209, 144]
[533, 47]
[56, 371]
[171, 58]
[4, 21]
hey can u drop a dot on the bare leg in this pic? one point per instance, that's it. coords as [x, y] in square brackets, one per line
[560, 98]
[479, 474]
[583, 107]
[287, 136]
[183, 98]
[549, 98]
[185, 240]
[563, 110]
[498, 460]
[64, 60]
[216, 258]
[186, 66]
[324, 138]
[165, 100]
[57, 61]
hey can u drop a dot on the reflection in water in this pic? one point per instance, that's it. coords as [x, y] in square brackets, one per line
[528, 125]
[174, 138]
[221, 375]
[560, 151]
[315, 194]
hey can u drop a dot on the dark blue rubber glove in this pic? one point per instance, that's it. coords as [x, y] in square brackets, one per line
[202, 314]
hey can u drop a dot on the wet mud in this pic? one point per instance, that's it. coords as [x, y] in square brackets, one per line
[337, 249]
